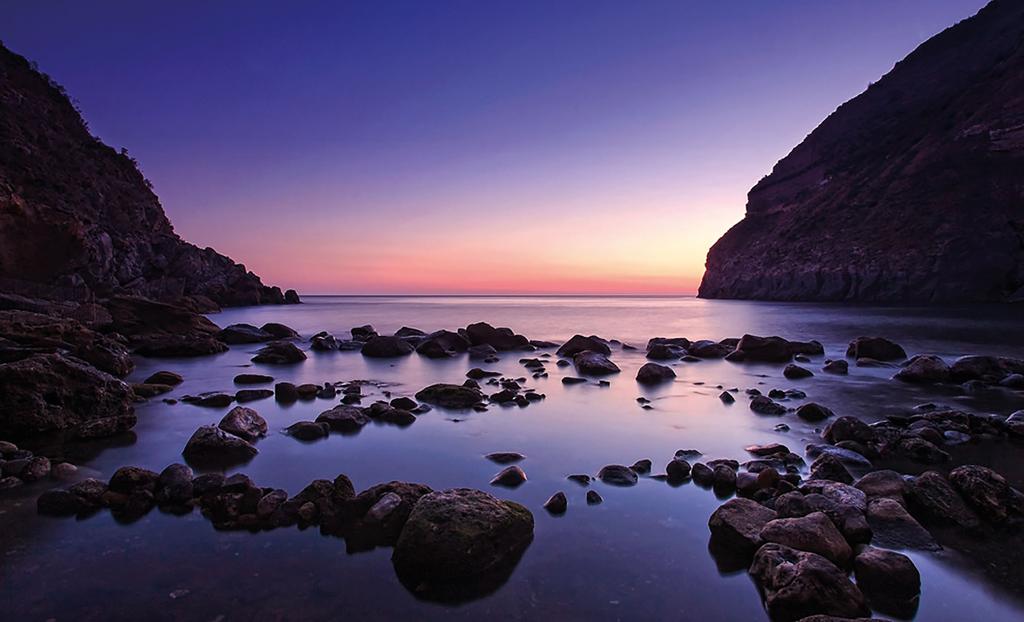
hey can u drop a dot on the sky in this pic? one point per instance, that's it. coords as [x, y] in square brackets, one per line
[450, 147]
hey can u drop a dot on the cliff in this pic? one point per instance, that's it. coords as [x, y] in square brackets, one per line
[78, 220]
[912, 191]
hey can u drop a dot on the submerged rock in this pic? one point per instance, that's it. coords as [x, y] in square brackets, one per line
[579, 343]
[798, 584]
[653, 373]
[617, 475]
[450, 395]
[344, 419]
[443, 344]
[279, 353]
[594, 363]
[924, 369]
[386, 347]
[243, 333]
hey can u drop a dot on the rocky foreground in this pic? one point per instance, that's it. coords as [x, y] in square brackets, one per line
[908, 192]
[816, 527]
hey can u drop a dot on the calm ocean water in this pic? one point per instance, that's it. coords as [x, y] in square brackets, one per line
[641, 555]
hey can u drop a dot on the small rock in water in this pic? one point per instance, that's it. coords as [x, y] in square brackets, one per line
[795, 372]
[617, 475]
[308, 430]
[593, 497]
[766, 406]
[505, 457]
[677, 470]
[839, 367]
[641, 467]
[582, 480]
[510, 477]
[573, 380]
[726, 397]
[557, 503]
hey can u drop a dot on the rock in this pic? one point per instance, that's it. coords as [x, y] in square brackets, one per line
[706, 349]
[838, 367]
[450, 395]
[285, 392]
[573, 380]
[813, 412]
[479, 374]
[848, 428]
[251, 395]
[386, 347]
[889, 579]
[174, 485]
[26, 333]
[617, 475]
[270, 502]
[146, 391]
[702, 474]
[443, 344]
[798, 584]
[827, 466]
[737, 524]
[363, 333]
[482, 352]
[770, 449]
[751, 348]
[723, 479]
[58, 503]
[641, 467]
[279, 353]
[878, 348]
[385, 413]
[814, 533]
[593, 497]
[344, 419]
[932, 499]
[920, 450]
[63, 471]
[501, 339]
[594, 364]
[726, 397]
[510, 477]
[244, 423]
[279, 331]
[991, 369]
[308, 430]
[988, 493]
[505, 457]
[127, 479]
[677, 470]
[166, 378]
[243, 333]
[766, 406]
[582, 480]
[894, 527]
[837, 492]
[211, 444]
[36, 468]
[795, 372]
[557, 503]
[1013, 381]
[883, 483]
[51, 392]
[213, 400]
[253, 379]
[323, 342]
[291, 297]
[579, 343]
[461, 538]
[924, 369]
[665, 352]
[653, 373]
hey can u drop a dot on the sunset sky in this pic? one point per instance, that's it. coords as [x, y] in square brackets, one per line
[465, 147]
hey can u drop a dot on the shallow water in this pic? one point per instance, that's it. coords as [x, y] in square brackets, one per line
[642, 554]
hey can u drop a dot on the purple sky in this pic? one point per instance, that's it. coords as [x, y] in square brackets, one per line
[465, 147]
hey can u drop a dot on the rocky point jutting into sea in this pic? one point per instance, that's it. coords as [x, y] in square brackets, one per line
[910, 192]
[177, 444]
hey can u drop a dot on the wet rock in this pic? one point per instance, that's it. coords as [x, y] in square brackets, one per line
[174, 485]
[665, 352]
[848, 428]
[279, 331]
[890, 580]
[737, 524]
[363, 333]
[51, 392]
[501, 339]
[766, 406]
[895, 528]
[450, 395]
[582, 480]
[751, 348]
[884, 483]
[285, 392]
[482, 352]
[617, 475]
[211, 444]
[838, 367]
[505, 457]
[307, 391]
[479, 374]
[573, 380]
[323, 342]
[795, 372]
[579, 343]
[837, 492]
[64, 471]
[214, 400]
[35, 468]
[459, 538]
[270, 503]
[129, 478]
[653, 373]
[878, 348]
[769, 449]
[641, 467]
[594, 364]
[723, 479]
[443, 344]
[706, 349]
[593, 497]
[279, 353]
[252, 395]
[510, 477]
[243, 333]
[924, 369]
[988, 493]
[244, 423]
[308, 430]
[677, 470]
[814, 533]
[344, 419]
[726, 397]
[557, 503]
[702, 474]
[798, 584]
[827, 466]
[990, 369]
[813, 412]
[921, 450]
[1013, 381]
[385, 413]
[386, 347]
[147, 391]
[167, 378]
[931, 498]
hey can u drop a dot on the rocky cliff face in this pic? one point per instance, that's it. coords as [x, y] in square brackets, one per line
[79, 221]
[912, 191]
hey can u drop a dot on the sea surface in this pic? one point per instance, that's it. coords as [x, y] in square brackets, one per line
[640, 555]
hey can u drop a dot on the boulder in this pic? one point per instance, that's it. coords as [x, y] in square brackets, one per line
[815, 533]
[210, 444]
[932, 499]
[245, 423]
[450, 395]
[557, 503]
[579, 343]
[26, 333]
[653, 373]
[308, 430]
[665, 352]
[443, 344]
[707, 349]
[253, 379]
[795, 372]
[878, 348]
[344, 419]
[838, 367]
[617, 475]
[279, 331]
[243, 333]
[54, 392]
[174, 485]
[990, 369]
[924, 369]
[279, 353]
[894, 527]
[323, 342]
[386, 413]
[813, 412]
[763, 405]
[890, 580]
[848, 428]
[828, 467]
[884, 483]
[166, 378]
[677, 470]
[751, 348]
[797, 584]
[461, 540]
[501, 339]
[988, 493]
[386, 347]
[737, 524]
[363, 333]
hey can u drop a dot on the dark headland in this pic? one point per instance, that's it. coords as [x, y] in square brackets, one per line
[910, 192]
